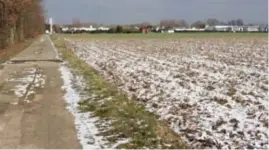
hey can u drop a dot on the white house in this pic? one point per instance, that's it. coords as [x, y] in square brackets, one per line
[170, 31]
[225, 28]
[209, 28]
[64, 29]
[251, 28]
[222, 28]
[237, 28]
[103, 29]
[188, 29]
[91, 28]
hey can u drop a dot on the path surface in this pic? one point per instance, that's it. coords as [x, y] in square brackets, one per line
[32, 108]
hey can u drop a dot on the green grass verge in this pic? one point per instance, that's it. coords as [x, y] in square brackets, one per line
[176, 35]
[129, 119]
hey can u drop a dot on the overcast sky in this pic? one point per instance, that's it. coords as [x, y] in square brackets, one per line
[135, 11]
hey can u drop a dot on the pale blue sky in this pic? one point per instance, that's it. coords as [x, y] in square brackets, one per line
[133, 11]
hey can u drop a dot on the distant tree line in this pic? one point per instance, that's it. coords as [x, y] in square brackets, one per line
[121, 29]
[20, 20]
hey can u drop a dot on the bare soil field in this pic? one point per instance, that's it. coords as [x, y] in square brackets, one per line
[212, 92]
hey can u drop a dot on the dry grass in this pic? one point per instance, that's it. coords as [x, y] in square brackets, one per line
[6, 54]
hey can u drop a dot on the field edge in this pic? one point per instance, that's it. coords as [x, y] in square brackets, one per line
[123, 112]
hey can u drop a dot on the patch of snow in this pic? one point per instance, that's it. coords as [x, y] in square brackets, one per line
[26, 82]
[119, 142]
[84, 122]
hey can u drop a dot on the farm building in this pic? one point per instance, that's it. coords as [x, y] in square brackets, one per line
[226, 28]
[209, 28]
[171, 31]
[64, 29]
[237, 28]
[264, 29]
[188, 30]
[103, 29]
[219, 28]
[158, 30]
[251, 28]
[89, 29]
[222, 28]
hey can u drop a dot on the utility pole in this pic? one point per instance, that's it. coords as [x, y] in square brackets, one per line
[51, 25]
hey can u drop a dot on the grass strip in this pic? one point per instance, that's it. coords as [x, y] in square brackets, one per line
[128, 118]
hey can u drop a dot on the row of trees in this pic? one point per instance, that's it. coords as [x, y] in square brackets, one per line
[20, 20]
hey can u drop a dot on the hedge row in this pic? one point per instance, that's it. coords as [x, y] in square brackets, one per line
[20, 20]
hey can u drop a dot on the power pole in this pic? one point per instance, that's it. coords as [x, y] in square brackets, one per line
[51, 25]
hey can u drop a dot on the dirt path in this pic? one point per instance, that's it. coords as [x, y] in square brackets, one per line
[32, 109]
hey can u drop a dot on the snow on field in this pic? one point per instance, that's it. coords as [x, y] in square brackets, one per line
[213, 92]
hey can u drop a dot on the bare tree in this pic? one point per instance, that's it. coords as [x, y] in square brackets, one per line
[239, 22]
[145, 24]
[198, 24]
[76, 23]
[181, 23]
[232, 22]
[22, 19]
[213, 22]
[167, 23]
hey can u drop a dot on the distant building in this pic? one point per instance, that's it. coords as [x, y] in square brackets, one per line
[158, 30]
[91, 28]
[236, 29]
[193, 29]
[209, 28]
[266, 29]
[222, 28]
[65, 29]
[226, 28]
[171, 31]
[103, 29]
[251, 28]
[263, 28]
[136, 28]
[219, 28]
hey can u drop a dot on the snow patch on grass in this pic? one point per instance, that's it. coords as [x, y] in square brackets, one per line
[123, 141]
[84, 122]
